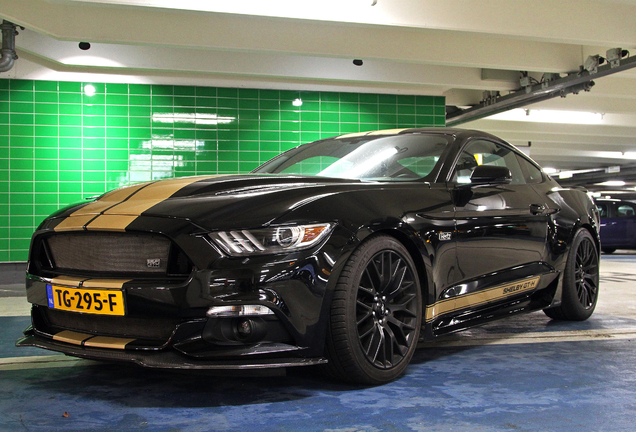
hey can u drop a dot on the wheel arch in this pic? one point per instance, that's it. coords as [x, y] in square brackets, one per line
[594, 233]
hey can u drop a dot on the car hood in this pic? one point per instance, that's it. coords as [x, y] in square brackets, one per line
[211, 202]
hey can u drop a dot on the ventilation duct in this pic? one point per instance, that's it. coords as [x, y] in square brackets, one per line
[9, 56]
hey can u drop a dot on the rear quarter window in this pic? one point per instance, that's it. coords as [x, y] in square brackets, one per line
[531, 172]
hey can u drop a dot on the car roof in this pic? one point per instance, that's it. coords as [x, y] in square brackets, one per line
[455, 132]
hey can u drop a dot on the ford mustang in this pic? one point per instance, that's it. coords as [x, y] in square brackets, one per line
[344, 253]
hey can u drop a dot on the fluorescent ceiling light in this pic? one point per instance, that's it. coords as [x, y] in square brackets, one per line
[549, 116]
[549, 170]
[90, 60]
[611, 183]
[330, 10]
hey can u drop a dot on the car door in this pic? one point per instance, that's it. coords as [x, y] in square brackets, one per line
[501, 229]
[623, 224]
[610, 233]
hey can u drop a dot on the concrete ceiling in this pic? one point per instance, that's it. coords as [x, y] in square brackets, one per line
[455, 48]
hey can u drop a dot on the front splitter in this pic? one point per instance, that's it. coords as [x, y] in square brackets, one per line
[164, 359]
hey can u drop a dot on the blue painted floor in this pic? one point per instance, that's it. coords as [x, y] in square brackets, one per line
[575, 386]
[583, 385]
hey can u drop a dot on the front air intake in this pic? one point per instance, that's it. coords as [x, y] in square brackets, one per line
[112, 254]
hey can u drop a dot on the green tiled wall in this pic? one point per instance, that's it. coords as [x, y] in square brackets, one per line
[58, 145]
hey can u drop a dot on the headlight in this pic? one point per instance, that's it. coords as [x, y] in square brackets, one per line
[270, 240]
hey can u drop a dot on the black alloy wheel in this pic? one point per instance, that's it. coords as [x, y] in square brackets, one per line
[580, 280]
[385, 310]
[586, 272]
[376, 314]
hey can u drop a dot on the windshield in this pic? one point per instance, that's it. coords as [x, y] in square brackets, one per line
[381, 158]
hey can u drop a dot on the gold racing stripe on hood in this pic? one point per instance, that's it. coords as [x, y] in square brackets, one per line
[110, 223]
[152, 195]
[74, 223]
[377, 132]
[117, 209]
[109, 199]
[77, 220]
[496, 293]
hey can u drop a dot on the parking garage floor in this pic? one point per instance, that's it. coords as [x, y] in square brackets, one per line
[526, 373]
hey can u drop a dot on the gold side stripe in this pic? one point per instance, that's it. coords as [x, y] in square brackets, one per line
[108, 342]
[104, 283]
[480, 298]
[71, 337]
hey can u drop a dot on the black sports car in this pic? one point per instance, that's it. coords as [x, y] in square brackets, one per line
[344, 252]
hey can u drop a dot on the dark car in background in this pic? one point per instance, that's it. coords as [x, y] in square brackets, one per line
[618, 224]
[343, 252]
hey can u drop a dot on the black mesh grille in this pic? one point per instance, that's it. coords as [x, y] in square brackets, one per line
[138, 328]
[110, 252]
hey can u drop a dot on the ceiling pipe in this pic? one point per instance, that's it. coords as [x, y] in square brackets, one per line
[559, 87]
[9, 55]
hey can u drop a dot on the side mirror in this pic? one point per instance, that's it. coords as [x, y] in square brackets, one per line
[490, 175]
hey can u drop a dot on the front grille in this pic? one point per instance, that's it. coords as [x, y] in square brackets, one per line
[111, 254]
[137, 328]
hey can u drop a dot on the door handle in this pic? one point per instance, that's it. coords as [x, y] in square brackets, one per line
[537, 209]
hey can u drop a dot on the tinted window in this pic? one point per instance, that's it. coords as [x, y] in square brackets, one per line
[603, 210]
[486, 153]
[531, 172]
[625, 210]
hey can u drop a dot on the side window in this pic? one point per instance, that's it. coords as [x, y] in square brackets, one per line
[625, 210]
[603, 210]
[532, 174]
[486, 153]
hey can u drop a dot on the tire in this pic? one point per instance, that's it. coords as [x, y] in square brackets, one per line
[375, 315]
[580, 281]
[608, 250]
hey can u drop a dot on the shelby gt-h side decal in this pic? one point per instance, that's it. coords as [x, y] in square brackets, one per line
[496, 293]
[116, 210]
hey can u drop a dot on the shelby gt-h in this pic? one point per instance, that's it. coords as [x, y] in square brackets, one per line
[344, 252]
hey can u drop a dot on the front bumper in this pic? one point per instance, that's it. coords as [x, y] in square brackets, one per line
[167, 324]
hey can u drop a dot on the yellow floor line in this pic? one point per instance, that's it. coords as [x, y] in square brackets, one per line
[42, 362]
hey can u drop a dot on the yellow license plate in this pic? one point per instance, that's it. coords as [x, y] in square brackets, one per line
[94, 301]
